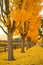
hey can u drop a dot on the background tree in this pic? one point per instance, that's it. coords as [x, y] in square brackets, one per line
[23, 30]
[26, 10]
[42, 29]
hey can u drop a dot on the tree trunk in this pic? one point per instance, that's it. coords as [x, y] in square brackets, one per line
[42, 35]
[10, 47]
[22, 45]
[28, 45]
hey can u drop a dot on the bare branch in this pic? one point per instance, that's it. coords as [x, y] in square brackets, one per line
[2, 12]
[3, 30]
[1, 20]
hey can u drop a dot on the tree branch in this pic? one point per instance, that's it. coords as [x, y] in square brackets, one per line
[14, 27]
[3, 30]
[1, 20]
[2, 11]
[18, 24]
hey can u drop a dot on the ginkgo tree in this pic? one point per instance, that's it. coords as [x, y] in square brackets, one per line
[6, 7]
[27, 11]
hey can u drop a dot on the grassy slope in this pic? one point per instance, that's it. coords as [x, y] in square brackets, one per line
[33, 56]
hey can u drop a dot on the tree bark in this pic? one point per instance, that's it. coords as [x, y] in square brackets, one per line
[22, 45]
[10, 47]
[28, 45]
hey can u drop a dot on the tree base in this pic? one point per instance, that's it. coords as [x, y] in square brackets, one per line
[22, 51]
[11, 59]
[27, 48]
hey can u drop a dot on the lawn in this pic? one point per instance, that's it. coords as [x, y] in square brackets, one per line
[32, 56]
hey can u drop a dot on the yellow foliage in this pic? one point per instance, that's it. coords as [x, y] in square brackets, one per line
[29, 11]
[33, 31]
